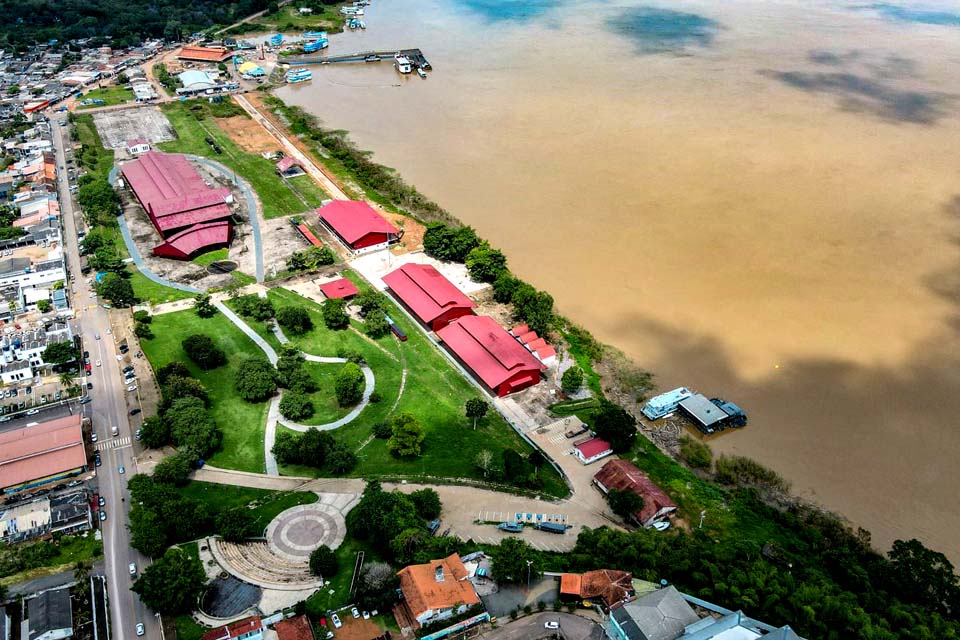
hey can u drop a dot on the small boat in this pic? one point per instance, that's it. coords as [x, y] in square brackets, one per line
[353, 23]
[661, 526]
[276, 40]
[351, 11]
[301, 74]
[363, 25]
[510, 527]
[315, 45]
[402, 63]
[421, 72]
[315, 35]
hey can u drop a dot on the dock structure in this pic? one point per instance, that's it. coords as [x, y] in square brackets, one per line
[416, 57]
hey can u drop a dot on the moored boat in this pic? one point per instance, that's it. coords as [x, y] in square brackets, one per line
[300, 74]
[402, 63]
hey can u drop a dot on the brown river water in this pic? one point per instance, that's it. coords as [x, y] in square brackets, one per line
[760, 200]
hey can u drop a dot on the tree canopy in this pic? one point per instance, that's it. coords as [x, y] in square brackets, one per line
[407, 437]
[172, 584]
[515, 560]
[486, 264]
[615, 425]
[296, 320]
[202, 350]
[117, 290]
[59, 352]
[335, 314]
[448, 243]
[349, 385]
[255, 379]
[323, 562]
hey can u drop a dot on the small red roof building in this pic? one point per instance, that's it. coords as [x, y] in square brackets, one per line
[592, 450]
[296, 628]
[341, 288]
[287, 163]
[428, 295]
[491, 353]
[247, 628]
[622, 475]
[357, 225]
[204, 54]
[608, 585]
[437, 589]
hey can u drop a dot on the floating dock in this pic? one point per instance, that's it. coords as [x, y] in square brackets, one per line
[415, 56]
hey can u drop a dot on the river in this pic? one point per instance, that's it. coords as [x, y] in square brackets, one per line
[760, 200]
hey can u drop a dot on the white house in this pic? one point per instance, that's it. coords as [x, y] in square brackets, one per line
[592, 450]
[137, 146]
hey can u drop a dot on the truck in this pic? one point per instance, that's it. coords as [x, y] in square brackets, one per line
[510, 527]
[552, 527]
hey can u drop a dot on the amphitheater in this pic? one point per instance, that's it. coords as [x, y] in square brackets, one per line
[280, 560]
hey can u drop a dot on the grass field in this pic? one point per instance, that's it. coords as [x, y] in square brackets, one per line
[269, 504]
[307, 189]
[327, 409]
[433, 391]
[114, 94]
[208, 258]
[242, 423]
[72, 549]
[149, 291]
[193, 123]
[97, 160]
[289, 19]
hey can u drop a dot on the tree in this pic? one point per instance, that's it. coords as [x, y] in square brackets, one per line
[349, 384]
[203, 306]
[294, 319]
[154, 433]
[300, 381]
[515, 561]
[533, 307]
[376, 324]
[43, 306]
[147, 531]
[476, 409]
[174, 470]
[142, 316]
[310, 259]
[572, 379]
[504, 286]
[175, 387]
[203, 351]
[59, 352]
[446, 243]
[370, 300]
[143, 331]
[253, 306]
[172, 368]
[341, 460]
[172, 584]
[323, 562]
[377, 586]
[296, 406]
[407, 436]
[624, 503]
[256, 379]
[335, 314]
[924, 576]
[67, 379]
[235, 525]
[427, 502]
[191, 426]
[117, 290]
[615, 425]
[484, 461]
[485, 264]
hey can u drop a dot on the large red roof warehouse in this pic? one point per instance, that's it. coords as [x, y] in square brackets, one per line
[43, 450]
[492, 353]
[430, 296]
[357, 224]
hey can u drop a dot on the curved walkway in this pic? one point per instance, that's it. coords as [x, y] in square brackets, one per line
[350, 417]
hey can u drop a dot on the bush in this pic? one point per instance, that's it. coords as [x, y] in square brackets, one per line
[253, 306]
[323, 562]
[351, 355]
[335, 314]
[738, 470]
[296, 406]
[697, 454]
[572, 379]
[485, 264]
[256, 379]
[235, 525]
[174, 470]
[172, 368]
[203, 352]
[294, 319]
[382, 430]
[427, 502]
[142, 316]
[375, 397]
[349, 385]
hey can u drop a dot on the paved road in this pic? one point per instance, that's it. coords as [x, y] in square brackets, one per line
[571, 627]
[107, 409]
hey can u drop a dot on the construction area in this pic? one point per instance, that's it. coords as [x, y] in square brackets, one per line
[122, 125]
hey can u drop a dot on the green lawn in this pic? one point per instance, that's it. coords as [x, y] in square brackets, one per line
[267, 504]
[193, 122]
[289, 19]
[322, 601]
[434, 392]
[188, 629]
[242, 423]
[114, 94]
[208, 258]
[71, 549]
[149, 291]
[327, 409]
[95, 158]
[308, 190]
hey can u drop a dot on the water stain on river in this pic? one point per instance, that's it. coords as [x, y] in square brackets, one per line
[760, 200]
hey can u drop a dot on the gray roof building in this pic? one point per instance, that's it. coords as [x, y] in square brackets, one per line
[660, 615]
[50, 615]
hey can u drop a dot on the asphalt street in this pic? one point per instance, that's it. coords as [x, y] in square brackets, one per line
[107, 409]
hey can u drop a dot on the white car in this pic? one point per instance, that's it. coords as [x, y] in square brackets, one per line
[366, 615]
[93, 437]
[551, 624]
[132, 387]
[355, 612]
[98, 363]
[109, 331]
[140, 629]
[336, 621]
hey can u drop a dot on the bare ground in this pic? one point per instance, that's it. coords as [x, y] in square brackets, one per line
[248, 135]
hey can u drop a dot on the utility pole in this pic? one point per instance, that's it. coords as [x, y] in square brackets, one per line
[529, 563]
[702, 516]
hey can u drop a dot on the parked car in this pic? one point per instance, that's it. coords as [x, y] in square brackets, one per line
[121, 470]
[366, 615]
[33, 412]
[6, 419]
[128, 368]
[93, 437]
[551, 624]
[97, 461]
[139, 431]
[336, 621]
[140, 629]
[355, 612]
[103, 515]
[86, 400]
[132, 387]
[89, 385]
[102, 501]
[134, 412]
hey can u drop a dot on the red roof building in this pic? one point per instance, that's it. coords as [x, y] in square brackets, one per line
[41, 453]
[622, 475]
[175, 197]
[297, 628]
[491, 353]
[607, 585]
[357, 225]
[204, 54]
[251, 628]
[308, 235]
[192, 241]
[341, 288]
[592, 450]
[428, 295]
[436, 590]
[289, 166]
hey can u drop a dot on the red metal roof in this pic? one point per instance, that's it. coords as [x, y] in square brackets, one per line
[487, 349]
[545, 352]
[352, 220]
[204, 54]
[41, 450]
[528, 336]
[308, 235]
[425, 291]
[286, 162]
[520, 329]
[622, 475]
[195, 239]
[234, 629]
[593, 447]
[341, 288]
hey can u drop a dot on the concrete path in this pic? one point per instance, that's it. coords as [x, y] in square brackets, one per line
[350, 417]
[253, 480]
[243, 326]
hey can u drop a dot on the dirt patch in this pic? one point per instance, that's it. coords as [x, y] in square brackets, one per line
[248, 135]
[116, 127]
[280, 239]
[358, 629]
[412, 232]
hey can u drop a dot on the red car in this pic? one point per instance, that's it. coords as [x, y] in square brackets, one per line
[87, 368]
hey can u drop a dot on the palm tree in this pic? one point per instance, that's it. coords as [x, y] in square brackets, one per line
[66, 379]
[81, 575]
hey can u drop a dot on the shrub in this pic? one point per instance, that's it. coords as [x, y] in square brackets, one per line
[738, 470]
[382, 430]
[696, 453]
[256, 379]
[142, 316]
[296, 406]
[349, 384]
[294, 319]
[253, 306]
[375, 397]
[572, 379]
[427, 502]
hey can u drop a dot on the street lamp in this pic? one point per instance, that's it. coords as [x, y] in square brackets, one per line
[529, 563]
[702, 516]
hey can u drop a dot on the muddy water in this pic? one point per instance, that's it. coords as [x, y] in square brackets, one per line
[760, 200]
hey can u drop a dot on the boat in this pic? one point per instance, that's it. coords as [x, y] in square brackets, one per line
[351, 11]
[315, 45]
[421, 72]
[276, 40]
[663, 525]
[551, 527]
[402, 63]
[315, 35]
[300, 74]
[510, 527]
[362, 24]
[353, 23]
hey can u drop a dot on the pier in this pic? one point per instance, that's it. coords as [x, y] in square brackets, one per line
[415, 56]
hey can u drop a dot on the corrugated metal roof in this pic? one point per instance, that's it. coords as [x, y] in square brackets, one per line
[352, 220]
[425, 291]
[488, 349]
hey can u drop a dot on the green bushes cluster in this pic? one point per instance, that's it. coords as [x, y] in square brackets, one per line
[740, 470]
[316, 449]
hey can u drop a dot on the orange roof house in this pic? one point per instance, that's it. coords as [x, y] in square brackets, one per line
[433, 591]
[246, 629]
[607, 585]
[204, 54]
[41, 453]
